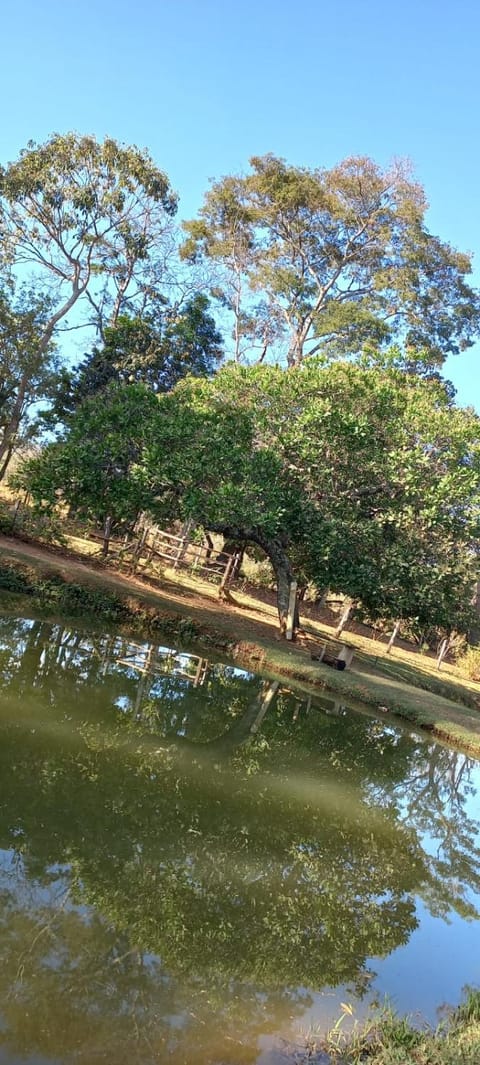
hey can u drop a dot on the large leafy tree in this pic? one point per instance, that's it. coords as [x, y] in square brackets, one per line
[156, 350]
[366, 480]
[317, 258]
[90, 219]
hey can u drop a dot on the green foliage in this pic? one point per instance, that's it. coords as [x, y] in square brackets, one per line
[6, 519]
[154, 350]
[14, 578]
[53, 593]
[368, 478]
[91, 216]
[387, 1039]
[329, 259]
[366, 481]
[82, 208]
[97, 467]
[469, 1010]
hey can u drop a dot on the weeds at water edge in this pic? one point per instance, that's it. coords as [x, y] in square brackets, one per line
[386, 1039]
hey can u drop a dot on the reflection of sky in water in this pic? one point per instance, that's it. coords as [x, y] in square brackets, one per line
[440, 958]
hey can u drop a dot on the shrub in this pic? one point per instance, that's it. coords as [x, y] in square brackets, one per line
[469, 663]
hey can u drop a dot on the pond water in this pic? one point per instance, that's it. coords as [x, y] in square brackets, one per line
[196, 863]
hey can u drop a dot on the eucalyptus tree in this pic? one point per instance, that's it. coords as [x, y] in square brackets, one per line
[318, 258]
[91, 220]
[88, 225]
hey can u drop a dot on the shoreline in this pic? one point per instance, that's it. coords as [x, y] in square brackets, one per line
[55, 584]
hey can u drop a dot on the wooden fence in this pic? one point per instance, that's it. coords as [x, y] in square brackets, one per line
[151, 548]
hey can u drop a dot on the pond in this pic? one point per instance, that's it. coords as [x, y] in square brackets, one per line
[196, 863]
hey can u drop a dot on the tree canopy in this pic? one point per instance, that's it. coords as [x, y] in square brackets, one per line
[89, 218]
[320, 259]
[368, 480]
[365, 481]
[97, 467]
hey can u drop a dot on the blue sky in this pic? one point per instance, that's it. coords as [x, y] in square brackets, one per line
[205, 84]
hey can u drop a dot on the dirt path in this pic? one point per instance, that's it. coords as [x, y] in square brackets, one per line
[250, 621]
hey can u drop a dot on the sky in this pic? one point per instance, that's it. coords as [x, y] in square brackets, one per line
[205, 84]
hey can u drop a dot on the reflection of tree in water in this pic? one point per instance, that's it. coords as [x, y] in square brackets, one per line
[167, 691]
[74, 988]
[434, 799]
[247, 867]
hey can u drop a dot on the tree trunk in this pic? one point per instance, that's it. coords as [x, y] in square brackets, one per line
[234, 547]
[276, 551]
[107, 532]
[6, 460]
[285, 577]
[10, 430]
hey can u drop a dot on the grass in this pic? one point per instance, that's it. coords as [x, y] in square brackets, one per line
[448, 720]
[387, 1039]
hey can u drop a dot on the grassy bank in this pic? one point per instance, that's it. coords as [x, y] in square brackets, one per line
[47, 584]
[386, 1039]
[34, 590]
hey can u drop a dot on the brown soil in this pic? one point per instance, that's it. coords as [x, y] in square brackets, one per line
[244, 621]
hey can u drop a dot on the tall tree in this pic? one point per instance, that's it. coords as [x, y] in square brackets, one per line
[90, 219]
[331, 258]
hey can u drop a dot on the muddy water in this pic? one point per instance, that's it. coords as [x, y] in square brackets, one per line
[196, 863]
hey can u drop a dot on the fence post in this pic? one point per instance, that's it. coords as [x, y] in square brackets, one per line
[138, 548]
[15, 513]
[107, 532]
[187, 528]
[393, 637]
[292, 599]
[346, 615]
[226, 575]
[443, 650]
[271, 691]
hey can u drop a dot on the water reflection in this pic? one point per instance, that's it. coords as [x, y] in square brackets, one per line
[190, 852]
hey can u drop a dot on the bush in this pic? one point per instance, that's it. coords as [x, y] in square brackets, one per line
[469, 663]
